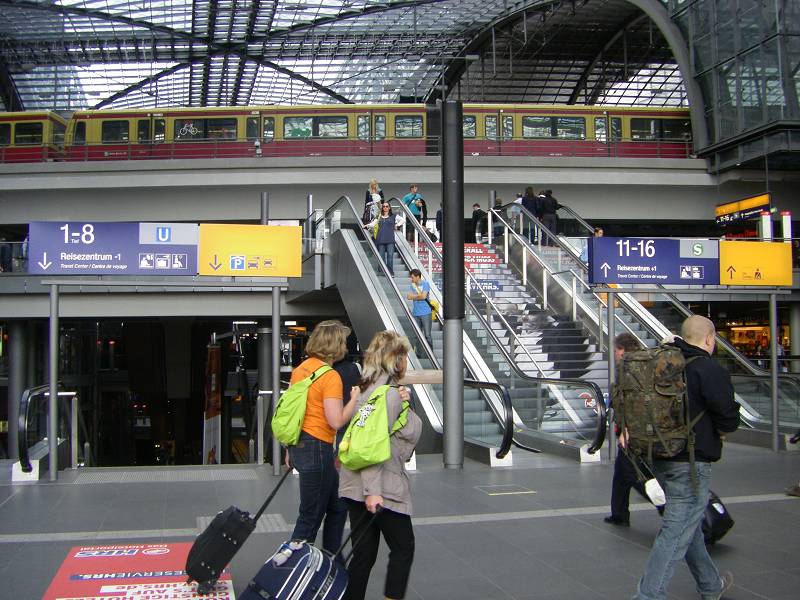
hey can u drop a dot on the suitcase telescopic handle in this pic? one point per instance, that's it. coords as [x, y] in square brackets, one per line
[271, 496]
[367, 519]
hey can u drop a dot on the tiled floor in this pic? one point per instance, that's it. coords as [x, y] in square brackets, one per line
[474, 538]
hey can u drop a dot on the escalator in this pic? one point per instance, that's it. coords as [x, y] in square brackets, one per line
[562, 271]
[375, 301]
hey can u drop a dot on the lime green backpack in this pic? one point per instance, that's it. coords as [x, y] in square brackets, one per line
[367, 440]
[291, 409]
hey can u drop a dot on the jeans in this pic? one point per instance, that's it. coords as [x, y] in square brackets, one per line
[425, 322]
[319, 493]
[386, 252]
[681, 535]
[399, 535]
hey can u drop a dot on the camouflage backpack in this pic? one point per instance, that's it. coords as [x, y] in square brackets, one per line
[651, 402]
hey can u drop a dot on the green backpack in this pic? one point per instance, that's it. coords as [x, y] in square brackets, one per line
[651, 402]
[291, 409]
[367, 440]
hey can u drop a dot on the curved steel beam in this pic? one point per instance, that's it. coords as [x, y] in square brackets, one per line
[456, 67]
[608, 45]
[657, 12]
[202, 59]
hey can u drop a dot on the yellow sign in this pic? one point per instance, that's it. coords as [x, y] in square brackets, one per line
[250, 250]
[755, 263]
[742, 205]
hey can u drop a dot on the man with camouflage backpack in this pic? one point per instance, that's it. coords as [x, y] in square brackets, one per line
[712, 412]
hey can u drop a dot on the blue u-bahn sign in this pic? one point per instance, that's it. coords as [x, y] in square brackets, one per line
[101, 248]
[669, 261]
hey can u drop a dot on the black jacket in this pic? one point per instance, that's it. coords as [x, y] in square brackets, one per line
[710, 389]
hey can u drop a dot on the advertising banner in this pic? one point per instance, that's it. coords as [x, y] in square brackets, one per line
[212, 413]
[128, 571]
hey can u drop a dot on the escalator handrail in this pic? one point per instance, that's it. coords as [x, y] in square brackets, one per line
[22, 424]
[508, 409]
[740, 358]
[420, 334]
[600, 429]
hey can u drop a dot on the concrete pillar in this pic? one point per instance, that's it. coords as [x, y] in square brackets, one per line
[17, 354]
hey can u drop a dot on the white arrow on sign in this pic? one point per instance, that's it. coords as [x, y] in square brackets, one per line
[44, 263]
[605, 267]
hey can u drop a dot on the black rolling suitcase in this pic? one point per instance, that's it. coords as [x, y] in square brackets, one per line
[216, 546]
[717, 521]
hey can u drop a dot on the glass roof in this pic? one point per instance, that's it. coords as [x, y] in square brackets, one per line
[67, 54]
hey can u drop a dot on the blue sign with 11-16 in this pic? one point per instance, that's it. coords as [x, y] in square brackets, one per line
[81, 248]
[653, 260]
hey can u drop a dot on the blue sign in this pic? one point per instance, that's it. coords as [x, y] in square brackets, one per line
[653, 260]
[81, 248]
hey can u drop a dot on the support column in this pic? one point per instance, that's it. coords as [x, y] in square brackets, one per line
[17, 354]
[773, 354]
[264, 388]
[453, 201]
[612, 368]
[52, 423]
[276, 372]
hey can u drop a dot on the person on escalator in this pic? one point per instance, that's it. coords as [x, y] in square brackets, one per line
[421, 308]
[549, 208]
[478, 221]
[382, 229]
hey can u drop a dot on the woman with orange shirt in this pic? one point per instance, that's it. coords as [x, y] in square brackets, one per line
[313, 456]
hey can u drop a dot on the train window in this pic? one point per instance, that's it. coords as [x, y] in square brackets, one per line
[159, 131]
[676, 129]
[408, 126]
[380, 127]
[28, 133]
[115, 131]
[251, 128]
[470, 126]
[491, 128]
[79, 138]
[537, 127]
[616, 129]
[221, 129]
[362, 127]
[59, 129]
[331, 127]
[5, 134]
[269, 129]
[298, 127]
[570, 128]
[508, 127]
[143, 131]
[645, 129]
[600, 133]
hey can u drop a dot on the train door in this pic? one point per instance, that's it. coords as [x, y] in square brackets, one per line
[371, 133]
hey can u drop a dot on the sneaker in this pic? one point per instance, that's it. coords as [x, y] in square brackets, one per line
[794, 490]
[727, 583]
[617, 521]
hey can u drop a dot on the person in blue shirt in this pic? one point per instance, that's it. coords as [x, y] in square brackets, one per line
[414, 201]
[420, 308]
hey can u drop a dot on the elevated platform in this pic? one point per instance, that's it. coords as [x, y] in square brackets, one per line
[532, 531]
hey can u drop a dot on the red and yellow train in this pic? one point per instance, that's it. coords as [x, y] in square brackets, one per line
[342, 130]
